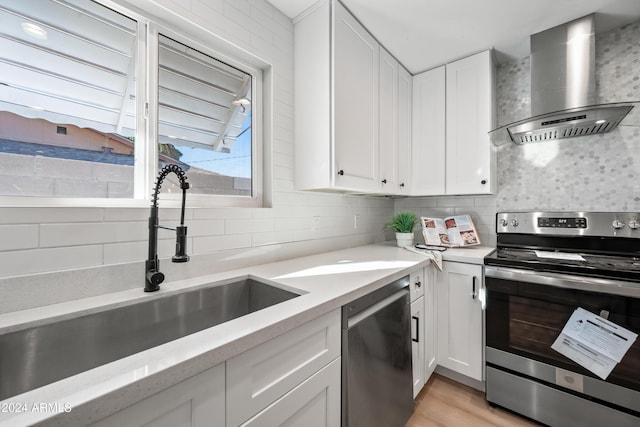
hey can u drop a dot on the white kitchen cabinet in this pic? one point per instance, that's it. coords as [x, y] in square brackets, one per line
[430, 322]
[353, 107]
[429, 134]
[460, 317]
[260, 376]
[405, 100]
[395, 125]
[356, 91]
[292, 378]
[470, 115]
[416, 292]
[314, 403]
[195, 402]
[453, 112]
[416, 288]
[423, 326]
[417, 344]
[336, 102]
[388, 141]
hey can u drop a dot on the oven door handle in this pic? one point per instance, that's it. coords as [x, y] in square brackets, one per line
[567, 281]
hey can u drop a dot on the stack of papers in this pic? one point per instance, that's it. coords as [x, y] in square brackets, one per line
[594, 342]
[559, 255]
[434, 256]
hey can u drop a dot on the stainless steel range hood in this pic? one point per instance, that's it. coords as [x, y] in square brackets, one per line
[563, 89]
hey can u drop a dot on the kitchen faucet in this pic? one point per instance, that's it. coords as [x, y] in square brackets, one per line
[153, 276]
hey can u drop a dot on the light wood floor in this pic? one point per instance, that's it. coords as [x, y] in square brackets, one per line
[446, 403]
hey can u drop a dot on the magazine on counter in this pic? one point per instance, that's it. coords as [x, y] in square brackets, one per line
[453, 231]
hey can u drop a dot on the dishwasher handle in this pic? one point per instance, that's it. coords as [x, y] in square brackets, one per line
[357, 318]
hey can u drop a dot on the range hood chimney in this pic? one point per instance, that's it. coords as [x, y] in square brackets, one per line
[563, 67]
[563, 87]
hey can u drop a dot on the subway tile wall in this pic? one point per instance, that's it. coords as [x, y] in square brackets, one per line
[43, 246]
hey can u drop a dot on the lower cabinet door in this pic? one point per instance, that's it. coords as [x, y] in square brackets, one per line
[263, 374]
[430, 322]
[417, 344]
[195, 402]
[460, 317]
[314, 403]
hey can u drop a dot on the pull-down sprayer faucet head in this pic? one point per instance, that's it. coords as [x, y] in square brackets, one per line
[181, 230]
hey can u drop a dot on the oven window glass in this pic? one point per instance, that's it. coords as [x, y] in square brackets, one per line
[526, 319]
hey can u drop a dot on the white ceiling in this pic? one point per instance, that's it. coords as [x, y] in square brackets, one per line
[423, 34]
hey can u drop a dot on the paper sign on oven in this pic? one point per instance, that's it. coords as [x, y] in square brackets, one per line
[594, 342]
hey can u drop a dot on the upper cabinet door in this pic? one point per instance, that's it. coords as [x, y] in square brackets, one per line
[405, 81]
[388, 122]
[470, 164]
[428, 143]
[356, 59]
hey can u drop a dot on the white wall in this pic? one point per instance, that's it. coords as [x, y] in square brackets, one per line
[109, 245]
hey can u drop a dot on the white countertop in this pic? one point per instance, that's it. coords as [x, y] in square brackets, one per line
[328, 281]
[472, 255]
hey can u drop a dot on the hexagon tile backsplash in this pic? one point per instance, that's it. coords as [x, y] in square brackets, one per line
[592, 173]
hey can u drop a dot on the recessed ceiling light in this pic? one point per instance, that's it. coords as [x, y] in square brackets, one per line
[34, 30]
[598, 122]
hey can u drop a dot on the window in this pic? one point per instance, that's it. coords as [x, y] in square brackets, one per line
[95, 99]
[204, 119]
[67, 99]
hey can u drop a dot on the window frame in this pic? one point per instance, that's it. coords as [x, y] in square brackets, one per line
[152, 21]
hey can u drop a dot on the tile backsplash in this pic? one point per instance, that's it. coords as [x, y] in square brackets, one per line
[592, 173]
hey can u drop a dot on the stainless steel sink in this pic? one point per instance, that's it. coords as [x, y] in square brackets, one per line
[41, 355]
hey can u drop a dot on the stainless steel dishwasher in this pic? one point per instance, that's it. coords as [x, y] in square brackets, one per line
[377, 379]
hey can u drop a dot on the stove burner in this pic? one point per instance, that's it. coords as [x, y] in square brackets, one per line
[604, 251]
[590, 260]
[593, 265]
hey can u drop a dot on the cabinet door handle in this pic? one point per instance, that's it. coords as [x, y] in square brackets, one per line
[417, 338]
[473, 295]
[418, 284]
[384, 181]
[340, 172]
[483, 182]
[402, 185]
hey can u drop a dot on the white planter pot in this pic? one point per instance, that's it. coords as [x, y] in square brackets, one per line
[404, 239]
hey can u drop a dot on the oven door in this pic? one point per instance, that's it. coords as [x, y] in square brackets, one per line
[527, 310]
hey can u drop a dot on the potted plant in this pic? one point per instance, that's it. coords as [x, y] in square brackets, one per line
[403, 224]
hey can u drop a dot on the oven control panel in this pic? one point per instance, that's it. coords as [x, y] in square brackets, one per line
[604, 224]
[579, 222]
